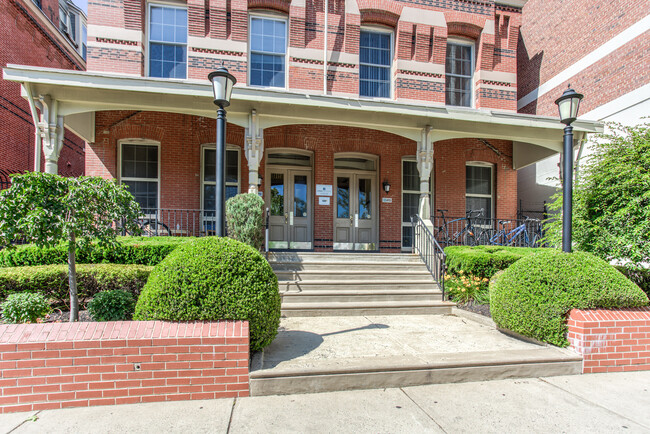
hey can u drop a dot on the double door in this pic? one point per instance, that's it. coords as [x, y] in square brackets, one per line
[289, 198]
[355, 211]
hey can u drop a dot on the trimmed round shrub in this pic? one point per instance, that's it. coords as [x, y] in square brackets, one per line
[533, 296]
[483, 261]
[26, 307]
[114, 305]
[210, 279]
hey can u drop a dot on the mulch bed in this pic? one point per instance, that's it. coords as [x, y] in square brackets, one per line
[64, 316]
[483, 309]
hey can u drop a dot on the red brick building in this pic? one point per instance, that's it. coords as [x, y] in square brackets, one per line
[348, 116]
[32, 35]
[602, 49]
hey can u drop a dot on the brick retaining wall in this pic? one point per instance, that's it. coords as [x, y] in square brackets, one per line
[611, 340]
[49, 366]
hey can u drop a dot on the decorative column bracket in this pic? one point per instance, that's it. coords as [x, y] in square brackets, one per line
[51, 131]
[425, 166]
[254, 150]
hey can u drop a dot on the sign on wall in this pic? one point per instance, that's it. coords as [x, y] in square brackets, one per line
[323, 200]
[323, 190]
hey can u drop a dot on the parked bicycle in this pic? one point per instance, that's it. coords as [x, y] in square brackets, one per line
[468, 235]
[148, 228]
[519, 236]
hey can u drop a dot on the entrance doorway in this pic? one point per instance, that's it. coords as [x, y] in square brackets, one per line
[289, 199]
[356, 209]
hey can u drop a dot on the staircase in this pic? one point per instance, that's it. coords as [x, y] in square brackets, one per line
[338, 284]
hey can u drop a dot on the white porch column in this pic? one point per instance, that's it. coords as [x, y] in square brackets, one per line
[51, 130]
[425, 165]
[254, 150]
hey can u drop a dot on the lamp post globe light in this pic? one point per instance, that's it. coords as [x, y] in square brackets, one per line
[222, 84]
[568, 105]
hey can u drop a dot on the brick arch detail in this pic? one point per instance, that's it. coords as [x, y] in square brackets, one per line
[138, 131]
[386, 12]
[277, 5]
[464, 30]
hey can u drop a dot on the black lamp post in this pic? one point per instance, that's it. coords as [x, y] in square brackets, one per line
[222, 84]
[568, 105]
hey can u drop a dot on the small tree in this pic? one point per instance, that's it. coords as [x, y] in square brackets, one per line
[49, 209]
[245, 217]
[611, 201]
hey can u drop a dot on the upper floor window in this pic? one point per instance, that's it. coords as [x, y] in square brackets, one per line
[374, 64]
[167, 41]
[268, 42]
[458, 70]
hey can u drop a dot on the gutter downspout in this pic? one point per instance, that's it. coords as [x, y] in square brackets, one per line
[326, 5]
[37, 133]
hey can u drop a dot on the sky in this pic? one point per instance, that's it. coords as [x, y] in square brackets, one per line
[82, 4]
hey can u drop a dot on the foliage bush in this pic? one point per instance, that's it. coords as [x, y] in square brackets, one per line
[52, 280]
[26, 307]
[611, 197]
[210, 279]
[112, 305]
[245, 217]
[533, 296]
[640, 276]
[131, 250]
[483, 261]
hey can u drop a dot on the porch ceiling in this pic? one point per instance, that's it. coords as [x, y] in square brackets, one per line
[87, 92]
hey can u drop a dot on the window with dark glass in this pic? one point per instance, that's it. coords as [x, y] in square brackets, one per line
[458, 72]
[268, 43]
[374, 64]
[139, 171]
[167, 41]
[209, 177]
[478, 193]
[411, 199]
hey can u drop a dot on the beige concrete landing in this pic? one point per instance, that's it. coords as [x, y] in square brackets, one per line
[321, 354]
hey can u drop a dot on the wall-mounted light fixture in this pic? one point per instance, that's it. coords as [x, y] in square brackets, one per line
[259, 180]
[386, 185]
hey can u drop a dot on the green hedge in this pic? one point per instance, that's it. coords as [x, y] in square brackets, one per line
[640, 276]
[533, 296]
[132, 250]
[483, 261]
[214, 278]
[52, 280]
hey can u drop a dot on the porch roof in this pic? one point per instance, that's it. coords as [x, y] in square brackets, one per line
[80, 94]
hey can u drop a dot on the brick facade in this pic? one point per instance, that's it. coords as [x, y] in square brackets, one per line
[555, 34]
[611, 340]
[60, 365]
[219, 33]
[30, 42]
[181, 138]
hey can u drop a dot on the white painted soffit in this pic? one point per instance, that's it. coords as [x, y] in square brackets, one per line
[80, 92]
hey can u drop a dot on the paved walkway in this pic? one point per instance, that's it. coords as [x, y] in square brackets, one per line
[594, 403]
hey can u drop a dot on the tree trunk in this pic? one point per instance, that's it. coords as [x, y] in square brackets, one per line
[72, 280]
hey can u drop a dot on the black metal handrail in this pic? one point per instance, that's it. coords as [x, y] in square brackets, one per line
[267, 215]
[425, 244]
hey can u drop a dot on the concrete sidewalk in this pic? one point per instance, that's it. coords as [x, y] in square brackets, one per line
[594, 403]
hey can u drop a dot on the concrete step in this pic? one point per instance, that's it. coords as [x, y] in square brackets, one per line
[354, 274]
[367, 308]
[347, 296]
[355, 285]
[385, 372]
[363, 266]
[334, 257]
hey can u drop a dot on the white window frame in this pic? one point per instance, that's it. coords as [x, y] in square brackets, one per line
[489, 196]
[268, 15]
[147, 35]
[391, 33]
[212, 146]
[139, 142]
[472, 45]
[413, 159]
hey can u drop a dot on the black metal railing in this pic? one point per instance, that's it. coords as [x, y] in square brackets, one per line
[267, 216]
[430, 251]
[474, 231]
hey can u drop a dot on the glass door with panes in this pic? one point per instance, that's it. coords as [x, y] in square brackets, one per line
[355, 212]
[289, 201]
